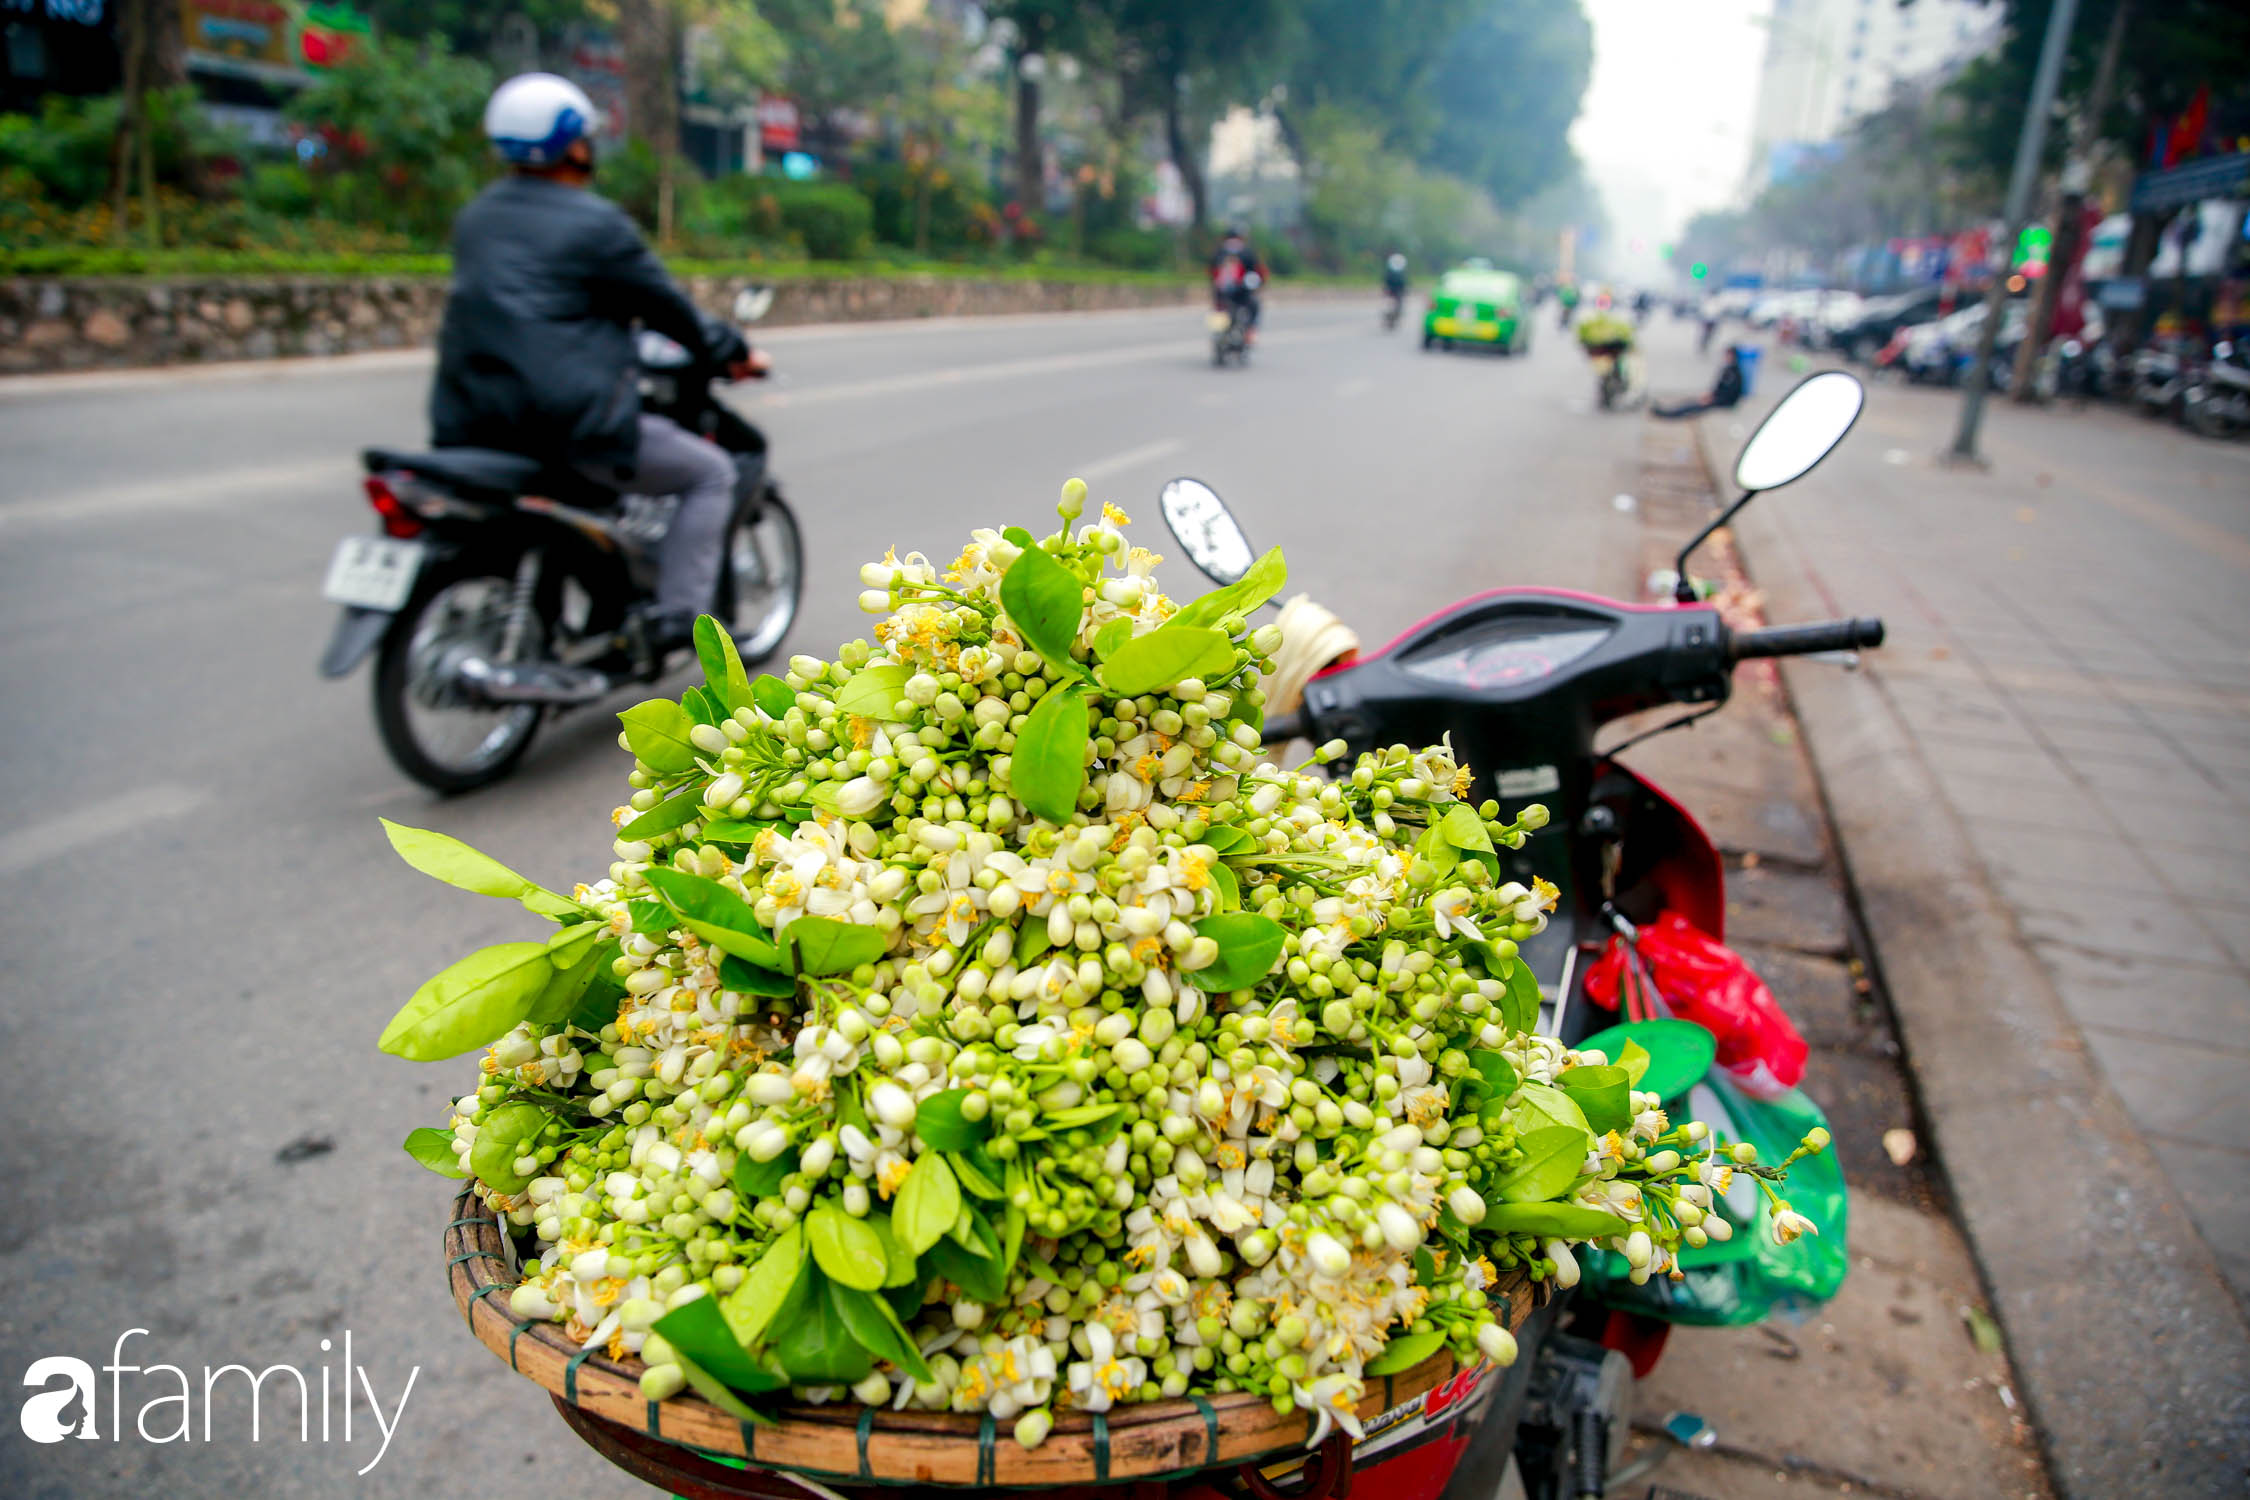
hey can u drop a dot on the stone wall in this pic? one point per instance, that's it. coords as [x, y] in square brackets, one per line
[84, 323]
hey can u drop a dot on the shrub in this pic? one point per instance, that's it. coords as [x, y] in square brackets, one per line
[402, 134]
[832, 221]
[1135, 249]
[959, 216]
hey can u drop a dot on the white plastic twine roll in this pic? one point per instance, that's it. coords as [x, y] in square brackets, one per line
[1311, 639]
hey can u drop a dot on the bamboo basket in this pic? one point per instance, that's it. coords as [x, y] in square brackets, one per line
[856, 1444]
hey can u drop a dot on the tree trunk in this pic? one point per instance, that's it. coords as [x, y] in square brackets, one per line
[132, 110]
[2141, 245]
[1031, 176]
[2070, 214]
[651, 33]
[1184, 157]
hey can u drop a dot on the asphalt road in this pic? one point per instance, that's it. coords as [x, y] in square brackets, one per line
[204, 929]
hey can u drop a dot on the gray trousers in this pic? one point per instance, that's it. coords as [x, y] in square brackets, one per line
[674, 461]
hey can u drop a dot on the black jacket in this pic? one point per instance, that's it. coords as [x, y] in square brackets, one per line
[1727, 390]
[536, 353]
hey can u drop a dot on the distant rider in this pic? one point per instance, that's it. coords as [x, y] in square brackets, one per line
[1394, 277]
[1236, 275]
[536, 352]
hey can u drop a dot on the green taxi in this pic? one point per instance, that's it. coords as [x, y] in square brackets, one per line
[1476, 304]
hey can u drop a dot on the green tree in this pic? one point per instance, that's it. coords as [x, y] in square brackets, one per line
[1187, 61]
[403, 127]
[1505, 91]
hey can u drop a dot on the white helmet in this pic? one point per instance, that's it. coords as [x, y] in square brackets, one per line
[535, 117]
[1397, 262]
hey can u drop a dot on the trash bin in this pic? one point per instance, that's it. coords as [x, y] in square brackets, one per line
[1748, 358]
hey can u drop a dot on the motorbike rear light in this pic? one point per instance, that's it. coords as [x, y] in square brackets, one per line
[398, 521]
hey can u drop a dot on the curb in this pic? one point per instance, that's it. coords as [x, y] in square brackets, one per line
[2133, 1356]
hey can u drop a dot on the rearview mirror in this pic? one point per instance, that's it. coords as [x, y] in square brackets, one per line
[1796, 435]
[1207, 530]
[752, 303]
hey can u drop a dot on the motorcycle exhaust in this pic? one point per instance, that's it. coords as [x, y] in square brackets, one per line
[547, 683]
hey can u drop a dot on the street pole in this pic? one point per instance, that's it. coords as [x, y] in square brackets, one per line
[2069, 238]
[2018, 208]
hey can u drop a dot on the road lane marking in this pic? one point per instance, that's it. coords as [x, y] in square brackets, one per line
[28, 848]
[1131, 458]
[184, 492]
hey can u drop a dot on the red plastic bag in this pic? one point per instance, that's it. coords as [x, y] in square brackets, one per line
[1682, 972]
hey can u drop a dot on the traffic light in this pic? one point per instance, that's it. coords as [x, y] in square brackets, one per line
[1664, 251]
[1699, 270]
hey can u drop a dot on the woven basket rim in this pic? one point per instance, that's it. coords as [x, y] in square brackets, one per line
[1138, 1440]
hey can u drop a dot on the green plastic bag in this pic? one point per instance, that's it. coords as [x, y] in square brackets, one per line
[1748, 1276]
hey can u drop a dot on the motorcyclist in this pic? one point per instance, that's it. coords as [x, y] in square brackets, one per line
[1233, 266]
[1394, 275]
[536, 352]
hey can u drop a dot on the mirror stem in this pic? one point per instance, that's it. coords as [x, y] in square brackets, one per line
[1684, 592]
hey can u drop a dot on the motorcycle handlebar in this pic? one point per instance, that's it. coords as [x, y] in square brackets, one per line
[1807, 640]
[1282, 728]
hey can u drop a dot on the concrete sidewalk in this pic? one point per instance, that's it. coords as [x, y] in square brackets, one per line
[2037, 788]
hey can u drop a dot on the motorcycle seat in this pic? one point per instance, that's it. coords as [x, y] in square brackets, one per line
[492, 471]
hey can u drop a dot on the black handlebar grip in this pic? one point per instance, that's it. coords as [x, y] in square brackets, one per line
[1282, 728]
[1805, 640]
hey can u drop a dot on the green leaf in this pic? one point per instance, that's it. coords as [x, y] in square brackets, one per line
[1048, 766]
[560, 999]
[870, 1321]
[845, 1248]
[1084, 1114]
[1248, 945]
[1018, 535]
[750, 1307]
[673, 812]
[1044, 600]
[458, 865]
[1549, 1163]
[1555, 1221]
[1601, 1094]
[928, 1202]
[974, 1177]
[701, 1331]
[762, 1179]
[714, 1390]
[982, 1279]
[703, 706]
[1032, 939]
[1111, 636]
[1406, 1351]
[823, 945]
[1226, 840]
[810, 1339]
[1264, 580]
[722, 664]
[973, 1232]
[1012, 1225]
[651, 918]
[873, 691]
[1519, 1008]
[773, 695]
[597, 1007]
[1152, 662]
[433, 1149]
[897, 1259]
[1542, 1104]
[1230, 887]
[715, 914]
[1438, 850]
[941, 1125]
[1495, 1069]
[1465, 831]
[501, 1138]
[470, 1004]
[657, 731]
[1634, 1059]
[747, 978]
[734, 830]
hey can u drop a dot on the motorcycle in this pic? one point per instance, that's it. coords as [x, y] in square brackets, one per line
[1230, 324]
[1523, 679]
[498, 590]
[1394, 305]
[2161, 374]
[2216, 402]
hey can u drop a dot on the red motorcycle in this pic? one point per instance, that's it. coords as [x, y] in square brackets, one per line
[1524, 679]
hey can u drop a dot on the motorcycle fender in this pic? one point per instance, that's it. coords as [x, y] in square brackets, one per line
[358, 631]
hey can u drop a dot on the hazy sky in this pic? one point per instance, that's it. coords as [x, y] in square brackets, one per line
[1665, 129]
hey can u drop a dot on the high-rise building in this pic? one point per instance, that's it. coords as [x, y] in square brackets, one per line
[1829, 61]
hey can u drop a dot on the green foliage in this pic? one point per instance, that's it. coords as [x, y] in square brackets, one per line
[947, 209]
[1155, 249]
[830, 220]
[403, 131]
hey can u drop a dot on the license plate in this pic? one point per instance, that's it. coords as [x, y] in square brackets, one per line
[373, 572]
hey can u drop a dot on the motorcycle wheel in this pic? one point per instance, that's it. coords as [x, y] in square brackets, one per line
[433, 731]
[765, 579]
[2211, 419]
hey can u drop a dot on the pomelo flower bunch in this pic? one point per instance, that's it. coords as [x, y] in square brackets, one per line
[978, 1021]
